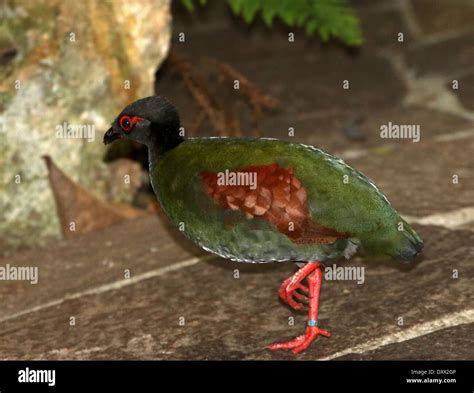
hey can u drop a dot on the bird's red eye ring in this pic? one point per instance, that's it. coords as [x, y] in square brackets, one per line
[126, 123]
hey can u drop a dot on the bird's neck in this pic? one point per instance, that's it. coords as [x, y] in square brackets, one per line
[157, 151]
[159, 147]
[157, 154]
[163, 139]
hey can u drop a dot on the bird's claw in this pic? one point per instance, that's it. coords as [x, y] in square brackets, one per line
[288, 294]
[300, 343]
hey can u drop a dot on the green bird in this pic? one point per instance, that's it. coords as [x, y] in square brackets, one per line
[259, 200]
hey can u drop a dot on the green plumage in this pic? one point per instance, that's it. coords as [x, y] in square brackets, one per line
[339, 197]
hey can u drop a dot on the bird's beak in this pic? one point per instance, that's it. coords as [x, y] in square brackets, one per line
[111, 136]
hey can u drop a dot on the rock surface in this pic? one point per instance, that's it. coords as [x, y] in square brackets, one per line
[67, 64]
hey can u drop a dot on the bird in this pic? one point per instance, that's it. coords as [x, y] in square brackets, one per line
[263, 200]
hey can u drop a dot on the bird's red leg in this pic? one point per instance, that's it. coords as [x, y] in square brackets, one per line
[300, 343]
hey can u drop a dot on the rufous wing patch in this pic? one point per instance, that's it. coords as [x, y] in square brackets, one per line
[277, 196]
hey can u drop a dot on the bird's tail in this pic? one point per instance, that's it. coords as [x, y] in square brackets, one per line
[411, 244]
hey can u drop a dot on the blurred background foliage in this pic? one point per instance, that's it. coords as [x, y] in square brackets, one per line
[329, 18]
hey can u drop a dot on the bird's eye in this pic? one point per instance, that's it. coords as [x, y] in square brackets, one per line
[126, 123]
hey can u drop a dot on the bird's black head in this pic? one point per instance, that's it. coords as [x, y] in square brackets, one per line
[152, 121]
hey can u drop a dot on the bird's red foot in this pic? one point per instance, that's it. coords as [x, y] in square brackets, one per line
[288, 293]
[300, 343]
[288, 289]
